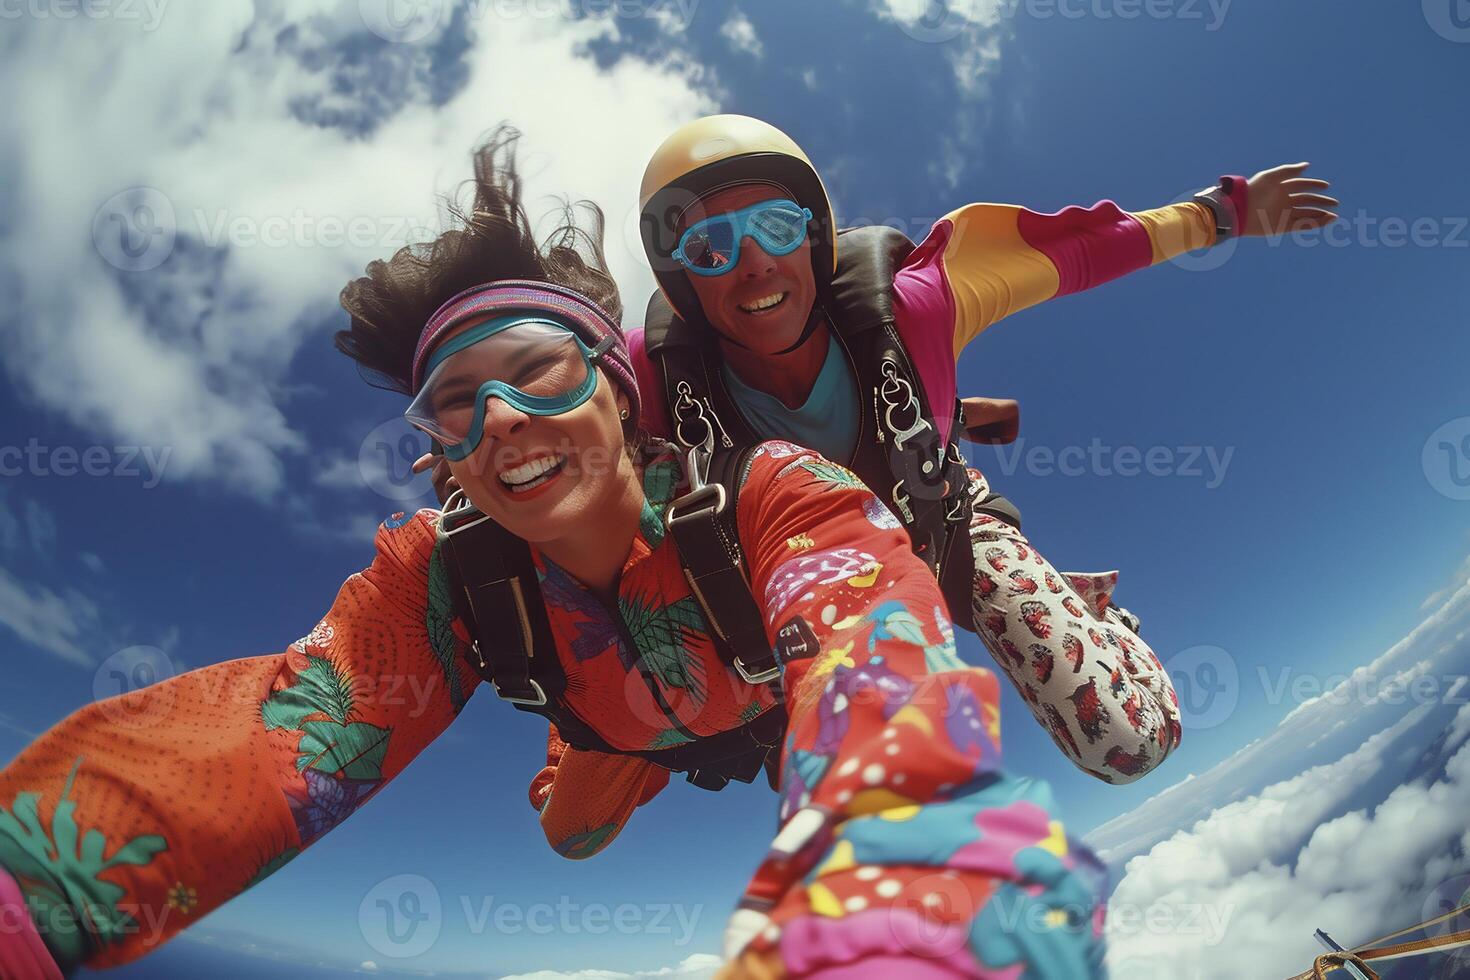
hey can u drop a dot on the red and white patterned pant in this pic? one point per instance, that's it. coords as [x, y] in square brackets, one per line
[1089, 680]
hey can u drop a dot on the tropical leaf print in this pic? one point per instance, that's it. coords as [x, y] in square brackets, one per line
[318, 688]
[663, 632]
[596, 630]
[667, 739]
[751, 712]
[660, 479]
[62, 867]
[587, 843]
[356, 750]
[329, 801]
[829, 472]
[439, 620]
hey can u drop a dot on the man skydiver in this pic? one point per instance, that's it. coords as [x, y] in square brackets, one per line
[771, 324]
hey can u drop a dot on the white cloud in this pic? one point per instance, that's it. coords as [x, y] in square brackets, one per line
[9, 725]
[982, 13]
[968, 34]
[700, 966]
[1443, 639]
[1359, 875]
[230, 111]
[45, 619]
[740, 32]
[1352, 845]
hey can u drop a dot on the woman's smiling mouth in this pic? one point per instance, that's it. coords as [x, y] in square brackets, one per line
[532, 474]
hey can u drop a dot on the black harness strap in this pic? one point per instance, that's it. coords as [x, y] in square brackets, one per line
[703, 525]
[898, 454]
[497, 594]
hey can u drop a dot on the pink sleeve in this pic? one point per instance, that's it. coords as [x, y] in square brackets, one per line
[23, 955]
[655, 415]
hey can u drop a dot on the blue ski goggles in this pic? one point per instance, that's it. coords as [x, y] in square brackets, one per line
[532, 363]
[712, 247]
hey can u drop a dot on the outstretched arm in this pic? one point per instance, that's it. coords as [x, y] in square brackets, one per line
[987, 261]
[139, 814]
[899, 830]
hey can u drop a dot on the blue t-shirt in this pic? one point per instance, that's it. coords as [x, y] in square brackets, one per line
[828, 422]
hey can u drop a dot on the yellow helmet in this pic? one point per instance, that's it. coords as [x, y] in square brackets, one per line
[708, 155]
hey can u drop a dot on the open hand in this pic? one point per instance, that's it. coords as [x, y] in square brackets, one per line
[1282, 200]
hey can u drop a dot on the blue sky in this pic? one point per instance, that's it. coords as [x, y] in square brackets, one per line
[1327, 374]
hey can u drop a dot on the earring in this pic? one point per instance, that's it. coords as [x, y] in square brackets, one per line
[624, 414]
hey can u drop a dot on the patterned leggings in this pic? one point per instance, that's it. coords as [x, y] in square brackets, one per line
[1089, 680]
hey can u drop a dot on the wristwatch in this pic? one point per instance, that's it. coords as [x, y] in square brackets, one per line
[1217, 199]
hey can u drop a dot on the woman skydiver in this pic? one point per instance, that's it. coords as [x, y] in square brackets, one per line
[769, 324]
[903, 849]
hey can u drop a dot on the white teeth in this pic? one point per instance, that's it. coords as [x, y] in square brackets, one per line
[763, 304]
[530, 471]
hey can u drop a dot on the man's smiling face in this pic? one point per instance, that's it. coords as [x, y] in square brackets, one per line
[765, 300]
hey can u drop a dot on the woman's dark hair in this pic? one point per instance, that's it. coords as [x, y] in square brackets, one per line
[494, 240]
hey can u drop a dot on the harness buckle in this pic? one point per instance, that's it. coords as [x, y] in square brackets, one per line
[457, 508]
[701, 493]
[764, 677]
[697, 502]
[535, 702]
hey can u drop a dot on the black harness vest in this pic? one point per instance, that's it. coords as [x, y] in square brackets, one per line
[899, 454]
[497, 594]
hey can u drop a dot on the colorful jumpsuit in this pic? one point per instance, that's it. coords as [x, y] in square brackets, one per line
[1090, 681]
[913, 850]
